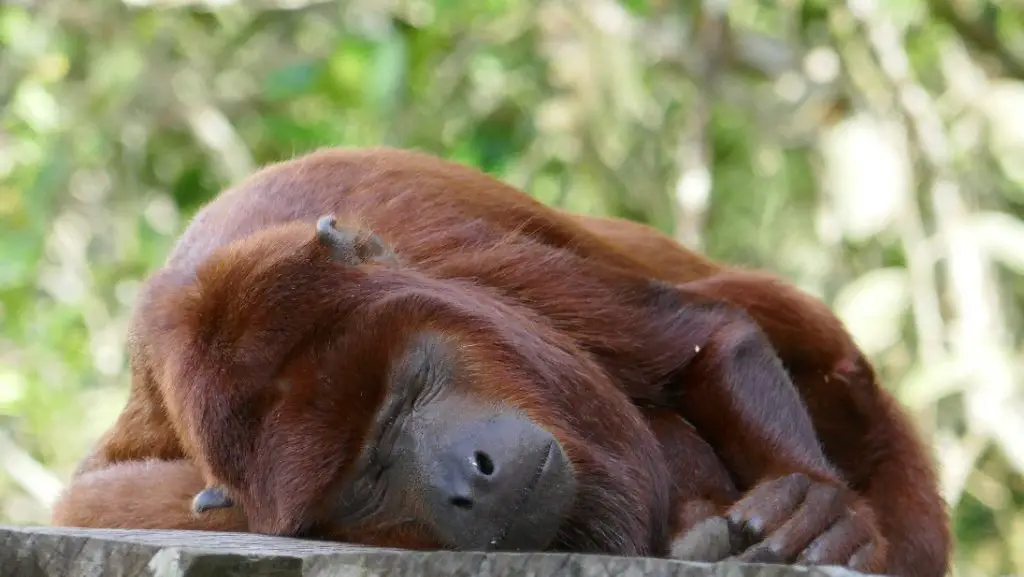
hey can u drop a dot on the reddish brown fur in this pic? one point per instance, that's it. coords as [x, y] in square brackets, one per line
[148, 494]
[864, 430]
[153, 494]
[572, 319]
[701, 487]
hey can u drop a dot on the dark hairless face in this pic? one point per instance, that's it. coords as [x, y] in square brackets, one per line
[480, 475]
[421, 421]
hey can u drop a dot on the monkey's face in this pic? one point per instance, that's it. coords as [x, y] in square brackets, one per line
[445, 464]
[363, 401]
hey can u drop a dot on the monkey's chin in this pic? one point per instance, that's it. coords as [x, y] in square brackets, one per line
[534, 522]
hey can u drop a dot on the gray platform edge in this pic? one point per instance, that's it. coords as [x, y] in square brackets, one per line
[68, 552]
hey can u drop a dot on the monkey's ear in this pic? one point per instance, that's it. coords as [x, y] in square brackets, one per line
[349, 246]
[211, 498]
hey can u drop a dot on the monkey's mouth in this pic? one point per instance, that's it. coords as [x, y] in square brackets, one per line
[537, 515]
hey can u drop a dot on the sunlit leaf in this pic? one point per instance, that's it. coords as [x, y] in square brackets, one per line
[926, 384]
[873, 308]
[867, 173]
[12, 390]
[1001, 236]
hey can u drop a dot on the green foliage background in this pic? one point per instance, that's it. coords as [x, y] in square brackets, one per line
[868, 151]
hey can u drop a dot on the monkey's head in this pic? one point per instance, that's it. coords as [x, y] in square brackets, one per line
[334, 392]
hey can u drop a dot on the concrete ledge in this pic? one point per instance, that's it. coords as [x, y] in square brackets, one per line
[64, 552]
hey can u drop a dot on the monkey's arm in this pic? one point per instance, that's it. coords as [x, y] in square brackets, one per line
[731, 385]
[148, 494]
[861, 427]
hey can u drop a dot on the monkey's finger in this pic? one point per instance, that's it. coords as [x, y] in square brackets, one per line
[211, 498]
[768, 505]
[819, 510]
[863, 559]
[836, 545]
[708, 541]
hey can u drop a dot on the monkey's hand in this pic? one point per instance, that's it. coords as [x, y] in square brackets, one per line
[790, 519]
[148, 494]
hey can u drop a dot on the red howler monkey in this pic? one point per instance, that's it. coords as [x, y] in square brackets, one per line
[312, 369]
[155, 494]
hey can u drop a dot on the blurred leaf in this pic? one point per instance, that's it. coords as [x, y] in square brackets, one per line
[350, 64]
[638, 7]
[867, 173]
[925, 385]
[49, 180]
[12, 390]
[19, 251]
[905, 13]
[34, 104]
[873, 308]
[291, 81]
[389, 71]
[1001, 236]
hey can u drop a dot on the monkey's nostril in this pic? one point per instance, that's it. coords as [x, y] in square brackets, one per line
[462, 503]
[484, 463]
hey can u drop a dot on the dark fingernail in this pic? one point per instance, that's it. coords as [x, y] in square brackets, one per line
[735, 521]
[211, 498]
[755, 525]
